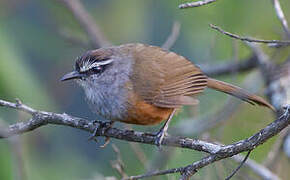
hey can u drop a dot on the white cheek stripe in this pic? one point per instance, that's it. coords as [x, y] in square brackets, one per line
[88, 66]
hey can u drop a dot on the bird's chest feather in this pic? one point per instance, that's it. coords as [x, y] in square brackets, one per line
[108, 99]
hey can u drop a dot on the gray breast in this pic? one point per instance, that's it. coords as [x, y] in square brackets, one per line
[107, 93]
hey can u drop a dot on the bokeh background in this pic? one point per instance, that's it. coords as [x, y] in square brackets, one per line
[40, 40]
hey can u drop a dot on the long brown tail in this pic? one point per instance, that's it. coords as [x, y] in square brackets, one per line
[237, 92]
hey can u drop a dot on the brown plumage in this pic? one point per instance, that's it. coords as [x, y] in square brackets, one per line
[237, 92]
[163, 81]
[164, 78]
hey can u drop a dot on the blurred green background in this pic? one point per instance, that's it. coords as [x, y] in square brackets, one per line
[37, 48]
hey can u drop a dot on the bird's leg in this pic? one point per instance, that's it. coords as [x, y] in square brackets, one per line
[163, 131]
[104, 126]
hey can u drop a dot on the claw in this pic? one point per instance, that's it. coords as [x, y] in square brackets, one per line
[159, 138]
[107, 141]
[163, 131]
[104, 126]
[92, 136]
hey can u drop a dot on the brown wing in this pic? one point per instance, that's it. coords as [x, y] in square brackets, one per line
[164, 78]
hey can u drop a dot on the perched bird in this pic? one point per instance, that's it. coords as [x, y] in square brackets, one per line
[145, 85]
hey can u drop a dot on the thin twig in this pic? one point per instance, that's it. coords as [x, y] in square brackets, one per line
[155, 173]
[173, 36]
[18, 105]
[270, 42]
[195, 4]
[281, 17]
[87, 22]
[239, 167]
[258, 169]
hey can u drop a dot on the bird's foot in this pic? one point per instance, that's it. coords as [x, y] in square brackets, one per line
[159, 137]
[104, 126]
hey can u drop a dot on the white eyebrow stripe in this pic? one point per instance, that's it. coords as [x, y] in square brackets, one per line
[101, 63]
[87, 66]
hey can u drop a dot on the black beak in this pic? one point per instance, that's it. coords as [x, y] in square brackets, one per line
[72, 75]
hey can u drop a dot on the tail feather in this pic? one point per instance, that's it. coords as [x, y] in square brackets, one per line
[238, 92]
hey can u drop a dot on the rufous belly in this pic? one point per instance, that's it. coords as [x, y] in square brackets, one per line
[143, 113]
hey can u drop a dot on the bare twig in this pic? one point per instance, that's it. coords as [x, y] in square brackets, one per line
[281, 17]
[19, 106]
[228, 150]
[155, 173]
[195, 4]
[259, 169]
[239, 167]
[87, 22]
[173, 36]
[270, 42]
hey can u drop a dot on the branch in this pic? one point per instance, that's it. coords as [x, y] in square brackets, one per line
[270, 42]
[239, 167]
[217, 152]
[195, 4]
[229, 150]
[281, 17]
[42, 118]
[173, 36]
[87, 22]
[260, 170]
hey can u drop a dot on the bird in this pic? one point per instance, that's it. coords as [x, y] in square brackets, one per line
[144, 85]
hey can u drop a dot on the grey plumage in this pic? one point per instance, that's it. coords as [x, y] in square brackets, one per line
[103, 91]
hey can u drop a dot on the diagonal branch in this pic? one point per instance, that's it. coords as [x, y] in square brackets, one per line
[217, 152]
[173, 36]
[195, 4]
[87, 22]
[281, 17]
[258, 169]
[229, 150]
[248, 39]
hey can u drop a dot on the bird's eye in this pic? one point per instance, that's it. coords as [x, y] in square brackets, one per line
[97, 69]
